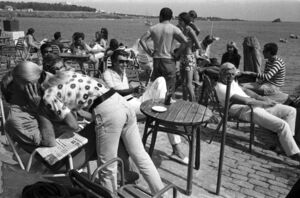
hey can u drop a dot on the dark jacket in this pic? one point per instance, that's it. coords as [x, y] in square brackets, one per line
[234, 59]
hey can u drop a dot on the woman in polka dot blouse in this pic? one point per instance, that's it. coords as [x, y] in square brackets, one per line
[114, 119]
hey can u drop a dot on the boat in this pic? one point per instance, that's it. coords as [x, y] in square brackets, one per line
[148, 23]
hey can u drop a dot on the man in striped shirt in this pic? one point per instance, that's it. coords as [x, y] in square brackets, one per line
[270, 81]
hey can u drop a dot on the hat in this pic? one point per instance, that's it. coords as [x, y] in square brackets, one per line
[232, 44]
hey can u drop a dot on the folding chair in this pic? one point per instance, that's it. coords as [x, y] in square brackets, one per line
[26, 52]
[55, 49]
[128, 190]
[9, 52]
[65, 147]
[209, 98]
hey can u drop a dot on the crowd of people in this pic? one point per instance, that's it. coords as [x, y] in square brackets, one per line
[46, 101]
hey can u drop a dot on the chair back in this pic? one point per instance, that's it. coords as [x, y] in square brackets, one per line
[20, 45]
[92, 188]
[55, 49]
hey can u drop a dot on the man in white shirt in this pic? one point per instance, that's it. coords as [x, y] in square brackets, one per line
[266, 113]
[115, 77]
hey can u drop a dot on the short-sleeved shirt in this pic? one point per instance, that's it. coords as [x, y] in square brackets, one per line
[163, 35]
[115, 81]
[77, 92]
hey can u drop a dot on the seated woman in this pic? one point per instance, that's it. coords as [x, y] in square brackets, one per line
[53, 63]
[80, 47]
[232, 55]
[96, 46]
[114, 119]
[31, 129]
[31, 42]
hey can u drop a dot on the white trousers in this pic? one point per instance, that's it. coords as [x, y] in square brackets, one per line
[279, 119]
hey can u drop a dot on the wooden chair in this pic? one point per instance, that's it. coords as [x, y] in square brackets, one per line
[128, 190]
[210, 99]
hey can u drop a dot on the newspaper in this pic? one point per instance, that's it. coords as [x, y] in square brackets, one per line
[65, 144]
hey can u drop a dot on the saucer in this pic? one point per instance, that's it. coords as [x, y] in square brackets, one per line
[159, 108]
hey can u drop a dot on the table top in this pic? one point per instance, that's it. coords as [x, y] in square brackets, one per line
[75, 56]
[180, 113]
[65, 41]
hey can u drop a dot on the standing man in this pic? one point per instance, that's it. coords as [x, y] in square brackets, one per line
[163, 35]
[273, 77]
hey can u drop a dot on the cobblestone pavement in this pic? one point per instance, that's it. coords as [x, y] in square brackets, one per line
[263, 173]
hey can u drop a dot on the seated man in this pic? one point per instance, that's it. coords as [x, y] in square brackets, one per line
[56, 41]
[266, 113]
[273, 77]
[115, 77]
[32, 130]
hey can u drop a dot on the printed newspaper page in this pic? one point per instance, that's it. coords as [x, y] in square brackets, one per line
[66, 144]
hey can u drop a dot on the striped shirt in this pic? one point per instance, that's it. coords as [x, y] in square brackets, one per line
[274, 72]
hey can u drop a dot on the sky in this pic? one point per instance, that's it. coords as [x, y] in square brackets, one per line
[265, 10]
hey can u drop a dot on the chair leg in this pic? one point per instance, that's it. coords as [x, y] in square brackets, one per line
[251, 136]
[15, 151]
[30, 160]
[216, 132]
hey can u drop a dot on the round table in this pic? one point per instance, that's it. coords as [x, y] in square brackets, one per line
[181, 113]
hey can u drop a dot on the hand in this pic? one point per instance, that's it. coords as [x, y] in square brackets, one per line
[267, 104]
[33, 95]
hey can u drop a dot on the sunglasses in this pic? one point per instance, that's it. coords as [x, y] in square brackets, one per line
[123, 61]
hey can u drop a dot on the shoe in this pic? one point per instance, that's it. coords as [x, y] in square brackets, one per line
[172, 101]
[184, 160]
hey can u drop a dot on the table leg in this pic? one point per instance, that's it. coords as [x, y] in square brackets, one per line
[191, 162]
[145, 136]
[198, 148]
[153, 139]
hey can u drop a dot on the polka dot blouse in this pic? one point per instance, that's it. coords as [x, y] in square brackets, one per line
[78, 92]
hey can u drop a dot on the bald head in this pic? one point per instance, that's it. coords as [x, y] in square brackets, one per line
[26, 72]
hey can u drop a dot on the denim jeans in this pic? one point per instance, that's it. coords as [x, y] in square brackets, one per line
[114, 119]
[279, 119]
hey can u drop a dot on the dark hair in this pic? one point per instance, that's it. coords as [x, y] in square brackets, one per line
[193, 14]
[165, 14]
[44, 46]
[113, 44]
[104, 33]
[49, 61]
[272, 48]
[118, 52]
[185, 17]
[30, 31]
[6, 82]
[78, 35]
[57, 35]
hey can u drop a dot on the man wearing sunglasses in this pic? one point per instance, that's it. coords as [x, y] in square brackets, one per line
[115, 77]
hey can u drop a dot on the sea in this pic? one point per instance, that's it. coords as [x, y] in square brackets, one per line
[128, 31]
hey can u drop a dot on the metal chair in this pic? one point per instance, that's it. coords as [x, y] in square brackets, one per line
[209, 98]
[26, 52]
[33, 150]
[128, 190]
[9, 52]
[55, 49]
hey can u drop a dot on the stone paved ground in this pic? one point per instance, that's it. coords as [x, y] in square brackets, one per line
[263, 173]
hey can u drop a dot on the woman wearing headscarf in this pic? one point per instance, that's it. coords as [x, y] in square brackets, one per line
[114, 119]
[232, 55]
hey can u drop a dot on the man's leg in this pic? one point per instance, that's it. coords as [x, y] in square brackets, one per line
[263, 118]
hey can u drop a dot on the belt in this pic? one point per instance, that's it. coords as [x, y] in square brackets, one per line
[102, 98]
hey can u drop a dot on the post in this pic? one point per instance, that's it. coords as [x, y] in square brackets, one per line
[225, 117]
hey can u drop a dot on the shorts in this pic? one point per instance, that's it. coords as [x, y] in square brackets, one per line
[188, 63]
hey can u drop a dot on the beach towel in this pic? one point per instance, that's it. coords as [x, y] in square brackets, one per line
[252, 55]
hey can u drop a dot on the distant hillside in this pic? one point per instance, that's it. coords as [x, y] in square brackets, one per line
[45, 6]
